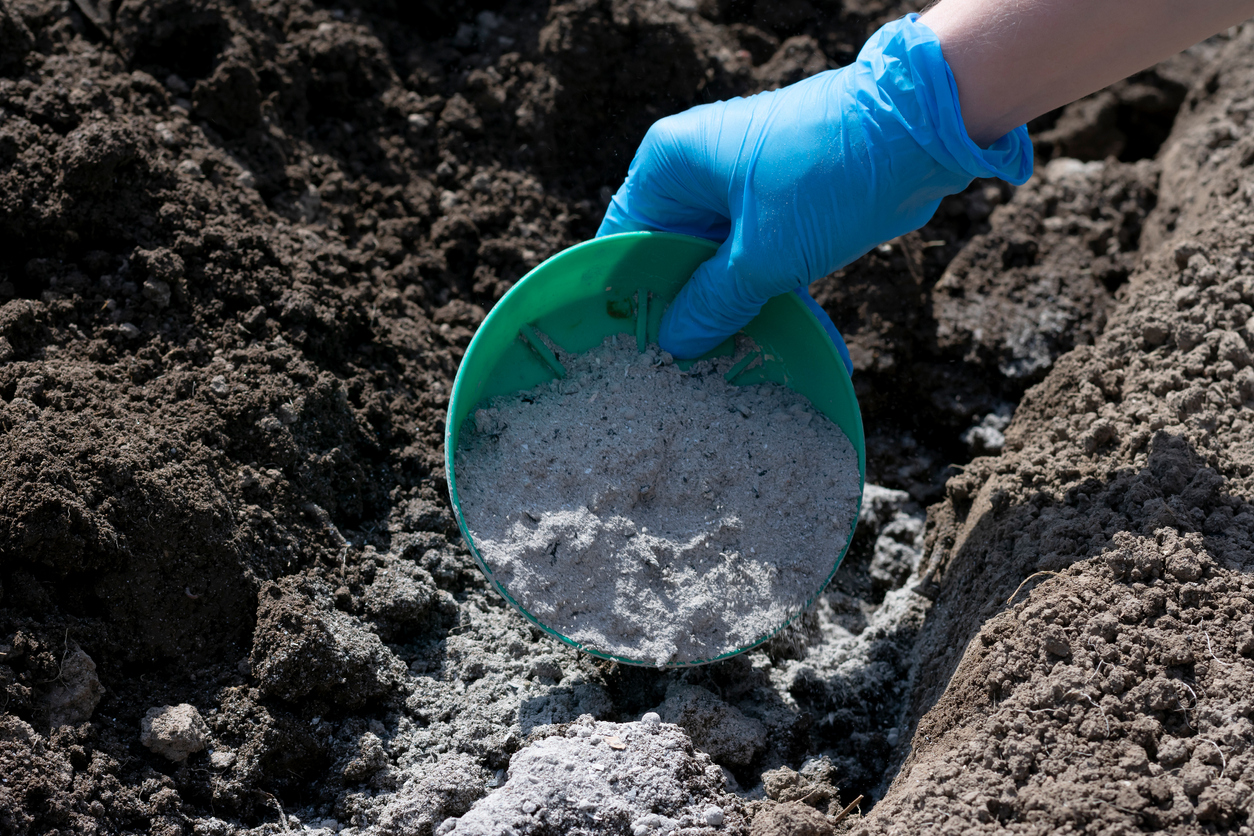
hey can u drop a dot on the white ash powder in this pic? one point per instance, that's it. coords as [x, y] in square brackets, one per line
[654, 514]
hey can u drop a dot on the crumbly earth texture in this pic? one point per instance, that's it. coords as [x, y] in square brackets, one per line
[243, 246]
[653, 513]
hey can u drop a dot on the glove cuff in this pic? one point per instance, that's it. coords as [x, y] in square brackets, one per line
[910, 71]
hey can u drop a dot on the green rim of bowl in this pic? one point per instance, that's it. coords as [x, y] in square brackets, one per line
[620, 284]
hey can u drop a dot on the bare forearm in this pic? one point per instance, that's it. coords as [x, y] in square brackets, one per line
[1016, 59]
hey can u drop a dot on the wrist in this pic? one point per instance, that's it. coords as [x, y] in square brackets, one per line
[908, 69]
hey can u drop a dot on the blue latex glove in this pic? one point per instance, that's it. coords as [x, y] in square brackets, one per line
[801, 181]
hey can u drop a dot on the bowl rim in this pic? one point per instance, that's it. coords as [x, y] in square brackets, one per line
[450, 432]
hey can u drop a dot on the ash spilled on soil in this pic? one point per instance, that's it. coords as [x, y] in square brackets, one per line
[614, 778]
[242, 249]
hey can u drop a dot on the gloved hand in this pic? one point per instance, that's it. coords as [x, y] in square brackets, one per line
[801, 181]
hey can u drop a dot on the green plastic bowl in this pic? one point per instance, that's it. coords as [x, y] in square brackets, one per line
[622, 284]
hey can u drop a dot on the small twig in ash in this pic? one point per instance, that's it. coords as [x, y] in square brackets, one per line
[1222, 759]
[1212, 652]
[1025, 580]
[841, 817]
[282, 815]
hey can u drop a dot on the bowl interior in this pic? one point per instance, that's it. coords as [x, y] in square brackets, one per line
[621, 284]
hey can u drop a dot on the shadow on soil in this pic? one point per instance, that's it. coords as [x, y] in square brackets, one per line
[1014, 538]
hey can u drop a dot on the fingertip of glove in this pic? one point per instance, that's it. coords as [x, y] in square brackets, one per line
[683, 341]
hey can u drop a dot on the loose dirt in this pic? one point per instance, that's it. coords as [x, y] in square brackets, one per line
[657, 514]
[242, 249]
[1111, 693]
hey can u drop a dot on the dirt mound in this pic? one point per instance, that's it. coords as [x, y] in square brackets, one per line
[242, 250]
[1042, 279]
[1114, 695]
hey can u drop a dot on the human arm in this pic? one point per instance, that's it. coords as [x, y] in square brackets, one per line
[801, 181]
[798, 182]
[1014, 61]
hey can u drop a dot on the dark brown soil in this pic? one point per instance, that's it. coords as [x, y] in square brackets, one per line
[242, 249]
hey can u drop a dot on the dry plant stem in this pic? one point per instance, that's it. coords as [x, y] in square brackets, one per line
[1211, 648]
[1222, 759]
[1095, 705]
[65, 651]
[282, 815]
[1184, 709]
[1025, 580]
[845, 812]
